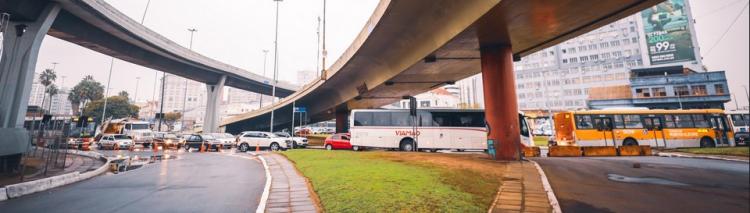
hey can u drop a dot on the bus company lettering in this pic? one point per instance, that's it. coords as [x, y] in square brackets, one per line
[406, 132]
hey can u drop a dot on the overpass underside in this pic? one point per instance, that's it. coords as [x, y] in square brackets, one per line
[412, 46]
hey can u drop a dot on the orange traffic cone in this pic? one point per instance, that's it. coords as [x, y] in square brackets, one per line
[116, 147]
[257, 148]
[203, 148]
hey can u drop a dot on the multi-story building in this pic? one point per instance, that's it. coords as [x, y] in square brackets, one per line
[175, 94]
[672, 87]
[59, 102]
[561, 77]
[238, 96]
[437, 98]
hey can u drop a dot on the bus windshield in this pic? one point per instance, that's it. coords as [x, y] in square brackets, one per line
[139, 126]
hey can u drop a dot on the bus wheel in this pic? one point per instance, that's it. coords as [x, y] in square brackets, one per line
[630, 142]
[433, 150]
[707, 142]
[356, 148]
[407, 145]
[460, 150]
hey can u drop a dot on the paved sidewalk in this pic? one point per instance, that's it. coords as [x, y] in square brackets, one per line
[704, 156]
[521, 190]
[289, 192]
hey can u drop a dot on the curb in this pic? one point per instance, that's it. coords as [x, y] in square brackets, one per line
[25, 188]
[678, 155]
[266, 189]
[548, 188]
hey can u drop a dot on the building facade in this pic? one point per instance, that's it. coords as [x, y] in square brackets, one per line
[177, 97]
[667, 88]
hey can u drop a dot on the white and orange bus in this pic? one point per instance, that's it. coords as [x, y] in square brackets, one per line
[437, 129]
[657, 128]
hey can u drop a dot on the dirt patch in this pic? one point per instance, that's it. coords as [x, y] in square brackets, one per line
[480, 163]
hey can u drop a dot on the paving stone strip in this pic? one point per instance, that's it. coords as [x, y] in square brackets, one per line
[289, 192]
[521, 190]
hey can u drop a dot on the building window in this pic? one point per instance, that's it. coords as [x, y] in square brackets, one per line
[424, 104]
[659, 91]
[681, 90]
[699, 90]
[719, 89]
[643, 93]
[584, 59]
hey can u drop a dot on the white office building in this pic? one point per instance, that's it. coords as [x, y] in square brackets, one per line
[175, 94]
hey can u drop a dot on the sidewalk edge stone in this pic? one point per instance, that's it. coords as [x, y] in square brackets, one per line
[548, 188]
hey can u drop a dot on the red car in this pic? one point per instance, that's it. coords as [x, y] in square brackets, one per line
[338, 141]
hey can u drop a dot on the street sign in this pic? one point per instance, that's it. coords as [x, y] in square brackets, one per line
[300, 109]
[265, 82]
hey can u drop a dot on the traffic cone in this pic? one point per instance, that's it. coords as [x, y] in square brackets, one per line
[203, 148]
[116, 147]
[257, 148]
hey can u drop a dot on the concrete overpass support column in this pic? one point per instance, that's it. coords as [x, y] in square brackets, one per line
[21, 43]
[501, 105]
[212, 119]
[342, 118]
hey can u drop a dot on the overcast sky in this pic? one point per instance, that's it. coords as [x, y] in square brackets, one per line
[236, 32]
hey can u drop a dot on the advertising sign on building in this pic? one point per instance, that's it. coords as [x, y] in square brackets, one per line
[668, 38]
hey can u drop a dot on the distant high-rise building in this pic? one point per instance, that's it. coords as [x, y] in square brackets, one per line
[560, 77]
[59, 103]
[174, 94]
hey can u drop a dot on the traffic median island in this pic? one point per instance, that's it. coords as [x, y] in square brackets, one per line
[347, 181]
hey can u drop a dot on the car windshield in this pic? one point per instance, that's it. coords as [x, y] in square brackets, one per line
[139, 126]
[227, 135]
[170, 136]
[207, 136]
[118, 137]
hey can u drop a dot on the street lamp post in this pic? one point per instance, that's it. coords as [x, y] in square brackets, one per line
[106, 94]
[137, 82]
[265, 55]
[275, 62]
[184, 99]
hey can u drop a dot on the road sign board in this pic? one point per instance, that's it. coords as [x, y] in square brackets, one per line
[300, 109]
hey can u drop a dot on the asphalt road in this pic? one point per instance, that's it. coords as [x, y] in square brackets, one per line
[194, 182]
[612, 184]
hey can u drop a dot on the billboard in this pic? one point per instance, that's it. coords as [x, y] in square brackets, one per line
[668, 38]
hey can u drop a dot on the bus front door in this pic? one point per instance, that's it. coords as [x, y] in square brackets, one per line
[720, 128]
[604, 125]
[655, 128]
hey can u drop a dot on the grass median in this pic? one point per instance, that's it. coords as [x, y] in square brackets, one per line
[732, 151]
[377, 181]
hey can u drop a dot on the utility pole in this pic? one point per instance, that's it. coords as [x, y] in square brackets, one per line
[184, 99]
[275, 62]
[137, 82]
[317, 45]
[106, 94]
[325, 52]
[265, 55]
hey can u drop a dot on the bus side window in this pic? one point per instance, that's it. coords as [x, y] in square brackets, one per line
[632, 121]
[701, 121]
[684, 121]
[363, 119]
[524, 127]
[669, 121]
[584, 122]
[618, 122]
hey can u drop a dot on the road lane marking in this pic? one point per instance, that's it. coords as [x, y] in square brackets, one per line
[266, 189]
[548, 188]
[648, 180]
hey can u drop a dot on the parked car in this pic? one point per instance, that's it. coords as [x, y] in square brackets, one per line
[113, 141]
[338, 141]
[263, 139]
[227, 140]
[741, 138]
[167, 140]
[297, 141]
[196, 141]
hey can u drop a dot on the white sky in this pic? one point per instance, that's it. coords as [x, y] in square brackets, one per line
[236, 32]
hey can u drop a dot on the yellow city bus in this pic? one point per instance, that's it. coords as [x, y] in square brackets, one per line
[657, 128]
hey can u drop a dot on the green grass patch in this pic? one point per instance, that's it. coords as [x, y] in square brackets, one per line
[541, 140]
[733, 151]
[347, 181]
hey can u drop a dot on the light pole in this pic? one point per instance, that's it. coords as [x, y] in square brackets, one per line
[325, 52]
[184, 99]
[746, 94]
[275, 62]
[265, 55]
[137, 82]
[106, 94]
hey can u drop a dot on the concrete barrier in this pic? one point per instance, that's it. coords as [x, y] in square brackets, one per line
[25, 188]
[646, 150]
[564, 151]
[630, 150]
[533, 151]
[599, 151]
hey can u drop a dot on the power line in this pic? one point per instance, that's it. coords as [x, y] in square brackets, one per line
[718, 9]
[727, 30]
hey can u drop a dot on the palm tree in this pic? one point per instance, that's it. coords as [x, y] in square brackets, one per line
[46, 78]
[86, 90]
[52, 91]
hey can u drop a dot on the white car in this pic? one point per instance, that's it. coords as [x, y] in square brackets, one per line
[248, 139]
[298, 141]
[226, 139]
[113, 141]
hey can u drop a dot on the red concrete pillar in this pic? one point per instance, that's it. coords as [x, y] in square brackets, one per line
[500, 103]
[342, 124]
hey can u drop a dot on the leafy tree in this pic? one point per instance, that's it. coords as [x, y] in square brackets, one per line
[117, 107]
[52, 91]
[87, 89]
[123, 94]
[46, 78]
[170, 118]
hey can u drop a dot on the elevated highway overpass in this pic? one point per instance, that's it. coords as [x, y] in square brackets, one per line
[412, 46]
